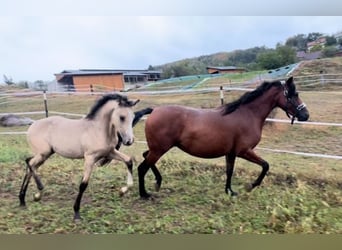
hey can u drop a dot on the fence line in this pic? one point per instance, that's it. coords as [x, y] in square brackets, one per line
[176, 92]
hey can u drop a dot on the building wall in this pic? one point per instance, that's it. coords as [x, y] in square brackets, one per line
[99, 82]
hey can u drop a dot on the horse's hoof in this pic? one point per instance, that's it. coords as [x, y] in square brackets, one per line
[157, 187]
[77, 218]
[249, 187]
[232, 194]
[146, 196]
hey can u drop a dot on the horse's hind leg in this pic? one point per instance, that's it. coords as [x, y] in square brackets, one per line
[142, 170]
[156, 173]
[149, 162]
[157, 176]
[230, 161]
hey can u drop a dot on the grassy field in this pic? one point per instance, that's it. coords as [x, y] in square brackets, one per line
[300, 195]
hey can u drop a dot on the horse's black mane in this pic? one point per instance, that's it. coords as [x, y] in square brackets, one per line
[248, 97]
[122, 100]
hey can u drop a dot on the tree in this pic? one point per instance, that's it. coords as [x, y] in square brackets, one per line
[330, 40]
[281, 56]
[313, 36]
[269, 60]
[298, 41]
[287, 54]
[329, 51]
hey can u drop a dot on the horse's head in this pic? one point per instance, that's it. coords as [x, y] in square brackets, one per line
[122, 120]
[291, 103]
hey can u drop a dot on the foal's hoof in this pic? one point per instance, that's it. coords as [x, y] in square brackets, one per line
[37, 197]
[123, 191]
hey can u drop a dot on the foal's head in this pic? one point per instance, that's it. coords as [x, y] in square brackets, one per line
[122, 120]
[290, 102]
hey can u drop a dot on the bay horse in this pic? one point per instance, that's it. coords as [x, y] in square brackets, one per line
[92, 138]
[232, 130]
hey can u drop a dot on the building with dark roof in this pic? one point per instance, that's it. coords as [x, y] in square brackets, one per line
[108, 80]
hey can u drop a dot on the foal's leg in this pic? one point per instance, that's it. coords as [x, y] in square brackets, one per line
[230, 161]
[31, 165]
[24, 186]
[89, 162]
[252, 157]
[129, 163]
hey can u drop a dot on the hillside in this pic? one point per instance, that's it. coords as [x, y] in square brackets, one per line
[197, 65]
[319, 66]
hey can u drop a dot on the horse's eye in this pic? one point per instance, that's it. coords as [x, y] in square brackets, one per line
[122, 118]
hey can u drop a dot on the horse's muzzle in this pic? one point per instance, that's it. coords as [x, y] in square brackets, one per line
[303, 115]
[128, 142]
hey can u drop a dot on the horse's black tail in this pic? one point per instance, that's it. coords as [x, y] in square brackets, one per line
[139, 114]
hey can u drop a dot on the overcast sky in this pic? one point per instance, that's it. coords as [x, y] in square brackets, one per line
[35, 47]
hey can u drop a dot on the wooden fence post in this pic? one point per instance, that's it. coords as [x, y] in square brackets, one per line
[45, 104]
[221, 95]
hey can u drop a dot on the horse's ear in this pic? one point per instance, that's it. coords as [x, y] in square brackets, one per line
[290, 85]
[290, 80]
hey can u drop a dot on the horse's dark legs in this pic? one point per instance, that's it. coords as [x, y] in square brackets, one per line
[252, 157]
[142, 170]
[230, 161]
[156, 173]
[157, 176]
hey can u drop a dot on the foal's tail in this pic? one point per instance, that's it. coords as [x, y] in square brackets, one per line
[139, 114]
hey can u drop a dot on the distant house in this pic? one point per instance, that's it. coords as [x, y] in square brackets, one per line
[224, 69]
[302, 55]
[321, 41]
[112, 80]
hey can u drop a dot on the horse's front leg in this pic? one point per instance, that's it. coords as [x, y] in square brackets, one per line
[129, 163]
[230, 161]
[252, 157]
